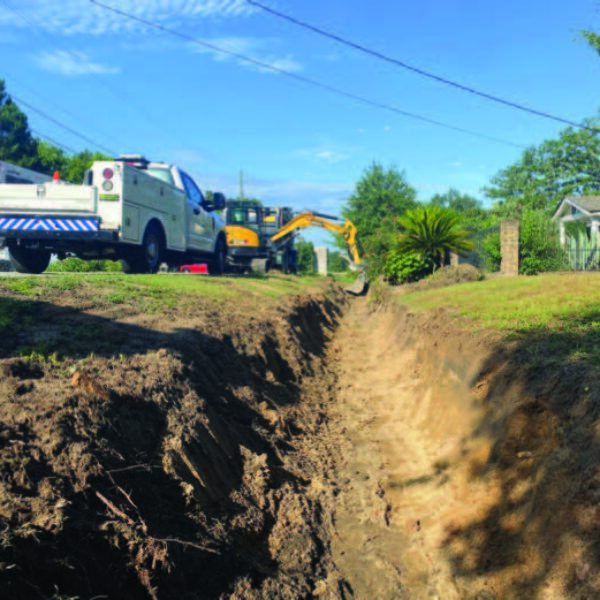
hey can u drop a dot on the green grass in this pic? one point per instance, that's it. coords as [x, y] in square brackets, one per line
[556, 313]
[153, 293]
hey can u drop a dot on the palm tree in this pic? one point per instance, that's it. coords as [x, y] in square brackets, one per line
[431, 232]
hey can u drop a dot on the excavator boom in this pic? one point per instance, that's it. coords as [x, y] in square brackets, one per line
[347, 230]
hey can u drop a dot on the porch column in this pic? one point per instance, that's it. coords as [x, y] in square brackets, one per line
[594, 228]
[563, 236]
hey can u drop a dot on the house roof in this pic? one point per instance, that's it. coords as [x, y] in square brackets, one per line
[590, 204]
[586, 204]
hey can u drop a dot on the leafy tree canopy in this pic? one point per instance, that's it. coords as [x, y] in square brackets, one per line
[456, 201]
[306, 251]
[569, 165]
[379, 198]
[80, 163]
[17, 145]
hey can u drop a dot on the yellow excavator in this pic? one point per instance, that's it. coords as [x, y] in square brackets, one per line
[347, 230]
[260, 237]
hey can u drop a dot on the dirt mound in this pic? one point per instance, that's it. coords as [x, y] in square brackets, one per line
[167, 459]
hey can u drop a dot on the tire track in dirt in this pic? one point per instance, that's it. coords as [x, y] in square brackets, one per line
[401, 421]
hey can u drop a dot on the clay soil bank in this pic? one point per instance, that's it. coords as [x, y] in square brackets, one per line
[299, 446]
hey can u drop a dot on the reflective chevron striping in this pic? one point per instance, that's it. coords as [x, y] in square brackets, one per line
[38, 224]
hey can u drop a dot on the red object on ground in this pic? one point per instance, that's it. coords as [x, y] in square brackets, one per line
[199, 269]
[56, 176]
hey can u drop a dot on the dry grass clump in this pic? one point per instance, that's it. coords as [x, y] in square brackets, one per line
[449, 276]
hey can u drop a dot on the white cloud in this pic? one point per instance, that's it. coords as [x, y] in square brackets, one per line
[387, 128]
[72, 17]
[326, 153]
[72, 63]
[301, 195]
[456, 164]
[254, 48]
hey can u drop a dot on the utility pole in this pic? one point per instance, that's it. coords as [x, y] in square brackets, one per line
[242, 185]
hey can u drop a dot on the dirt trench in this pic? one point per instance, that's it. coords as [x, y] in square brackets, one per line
[323, 448]
[468, 466]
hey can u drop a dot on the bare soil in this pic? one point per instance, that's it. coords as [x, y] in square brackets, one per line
[468, 466]
[166, 456]
[304, 447]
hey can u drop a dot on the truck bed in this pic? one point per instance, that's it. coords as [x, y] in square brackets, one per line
[50, 198]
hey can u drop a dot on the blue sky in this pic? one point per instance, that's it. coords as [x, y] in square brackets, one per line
[130, 88]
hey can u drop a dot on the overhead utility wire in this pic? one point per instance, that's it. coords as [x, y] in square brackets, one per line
[301, 78]
[419, 71]
[65, 127]
[43, 136]
[49, 101]
[35, 23]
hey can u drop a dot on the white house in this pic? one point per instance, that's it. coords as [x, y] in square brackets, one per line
[578, 218]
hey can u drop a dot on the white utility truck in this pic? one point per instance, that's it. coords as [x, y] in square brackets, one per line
[127, 209]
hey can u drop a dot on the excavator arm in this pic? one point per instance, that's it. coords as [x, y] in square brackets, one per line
[311, 219]
[347, 230]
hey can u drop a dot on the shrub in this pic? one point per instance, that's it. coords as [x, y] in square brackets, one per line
[406, 267]
[450, 276]
[76, 265]
[539, 244]
[491, 251]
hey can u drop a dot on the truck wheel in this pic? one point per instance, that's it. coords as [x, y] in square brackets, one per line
[217, 265]
[186, 270]
[26, 260]
[153, 248]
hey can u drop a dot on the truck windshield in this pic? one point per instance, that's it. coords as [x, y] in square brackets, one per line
[162, 173]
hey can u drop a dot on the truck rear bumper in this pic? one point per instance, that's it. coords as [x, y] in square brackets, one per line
[20, 227]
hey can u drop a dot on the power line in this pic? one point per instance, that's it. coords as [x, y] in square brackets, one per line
[419, 71]
[36, 24]
[50, 101]
[65, 127]
[302, 78]
[47, 138]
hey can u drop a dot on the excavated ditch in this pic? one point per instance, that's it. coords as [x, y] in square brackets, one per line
[171, 463]
[323, 448]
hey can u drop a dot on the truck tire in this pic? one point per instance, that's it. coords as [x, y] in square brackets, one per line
[149, 257]
[26, 260]
[153, 248]
[216, 266]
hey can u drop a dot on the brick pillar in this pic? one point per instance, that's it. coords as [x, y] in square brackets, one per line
[321, 260]
[509, 236]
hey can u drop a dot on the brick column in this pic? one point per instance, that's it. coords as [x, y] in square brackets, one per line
[509, 236]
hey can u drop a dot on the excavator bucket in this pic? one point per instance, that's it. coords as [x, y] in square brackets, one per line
[360, 287]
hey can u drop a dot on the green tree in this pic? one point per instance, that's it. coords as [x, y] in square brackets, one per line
[50, 158]
[460, 203]
[337, 262]
[431, 232]
[539, 244]
[306, 252]
[80, 163]
[593, 39]
[17, 145]
[379, 198]
[544, 175]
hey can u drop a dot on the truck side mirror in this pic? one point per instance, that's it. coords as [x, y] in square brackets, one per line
[218, 201]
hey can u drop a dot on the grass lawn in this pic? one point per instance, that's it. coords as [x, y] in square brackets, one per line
[560, 312]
